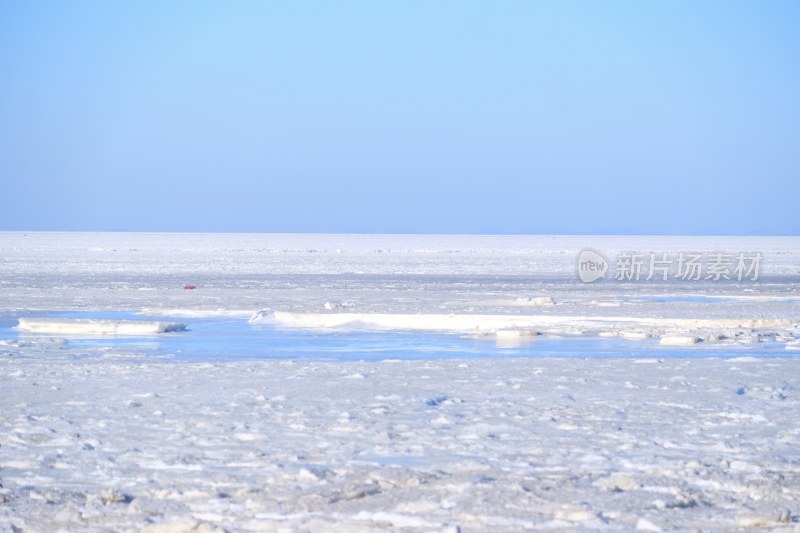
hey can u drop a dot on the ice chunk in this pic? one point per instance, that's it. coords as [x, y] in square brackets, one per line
[91, 326]
[634, 335]
[514, 333]
[262, 316]
[676, 340]
[539, 300]
[793, 345]
[334, 306]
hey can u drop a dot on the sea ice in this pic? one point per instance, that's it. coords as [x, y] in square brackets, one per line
[678, 340]
[88, 326]
[117, 440]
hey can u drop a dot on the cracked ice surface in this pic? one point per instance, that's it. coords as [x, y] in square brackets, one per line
[502, 445]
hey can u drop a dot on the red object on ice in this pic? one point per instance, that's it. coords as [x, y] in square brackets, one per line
[189, 287]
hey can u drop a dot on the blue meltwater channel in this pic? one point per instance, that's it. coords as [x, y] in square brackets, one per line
[229, 339]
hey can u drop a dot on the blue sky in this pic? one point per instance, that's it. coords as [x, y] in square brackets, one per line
[414, 117]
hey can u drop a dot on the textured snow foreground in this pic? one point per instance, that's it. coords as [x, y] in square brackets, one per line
[501, 445]
[115, 440]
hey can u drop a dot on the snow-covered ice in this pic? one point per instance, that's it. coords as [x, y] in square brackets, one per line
[490, 445]
[88, 326]
[678, 340]
[697, 436]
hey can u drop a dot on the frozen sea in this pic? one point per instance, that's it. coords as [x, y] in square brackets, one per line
[401, 383]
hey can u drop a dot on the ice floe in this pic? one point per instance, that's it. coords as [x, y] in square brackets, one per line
[673, 331]
[678, 340]
[89, 326]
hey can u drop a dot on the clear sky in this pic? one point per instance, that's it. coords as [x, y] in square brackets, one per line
[673, 117]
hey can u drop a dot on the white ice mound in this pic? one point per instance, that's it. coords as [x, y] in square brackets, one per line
[678, 340]
[334, 306]
[262, 316]
[91, 326]
[514, 333]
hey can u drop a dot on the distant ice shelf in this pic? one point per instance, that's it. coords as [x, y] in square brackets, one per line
[90, 326]
[670, 331]
[475, 322]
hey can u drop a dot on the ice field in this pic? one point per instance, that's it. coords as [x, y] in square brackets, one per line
[212, 382]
